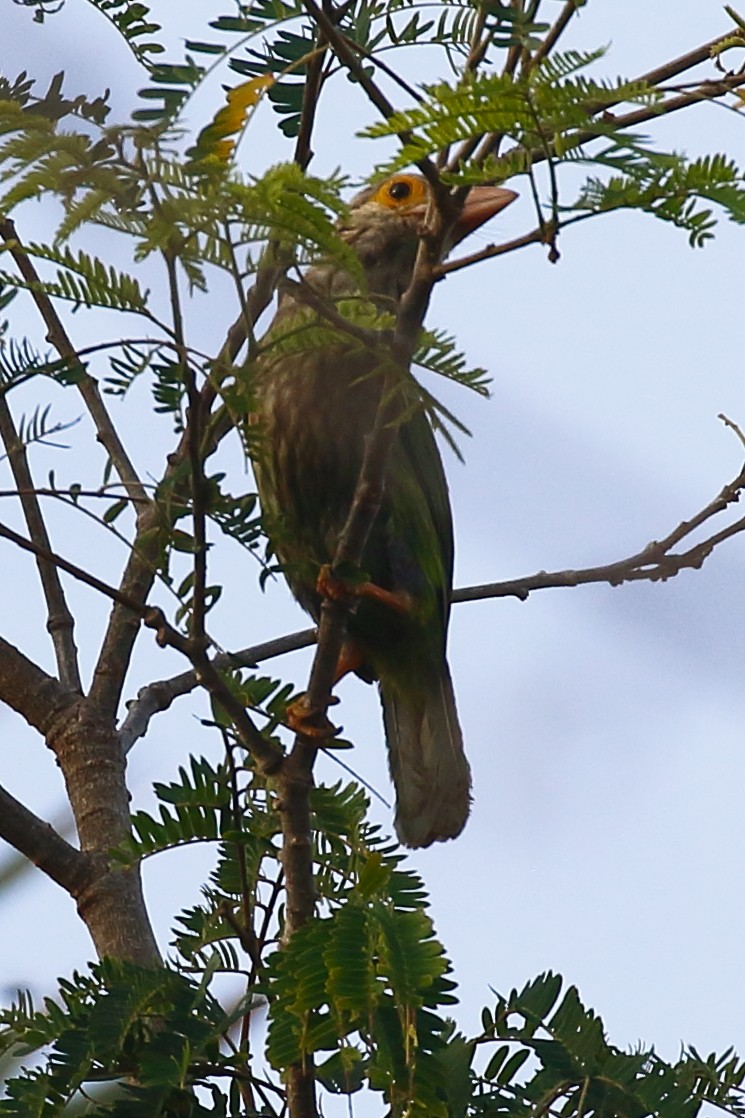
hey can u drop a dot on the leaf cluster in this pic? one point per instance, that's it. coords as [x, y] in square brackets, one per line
[142, 1032]
[550, 102]
[364, 984]
[670, 187]
[579, 1073]
[134, 22]
[363, 987]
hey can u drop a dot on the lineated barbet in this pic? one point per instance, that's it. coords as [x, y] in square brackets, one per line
[315, 410]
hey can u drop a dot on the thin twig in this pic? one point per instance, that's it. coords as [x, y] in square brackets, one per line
[347, 56]
[193, 435]
[555, 32]
[536, 236]
[68, 496]
[311, 94]
[60, 621]
[87, 385]
[48, 556]
[389, 72]
[707, 91]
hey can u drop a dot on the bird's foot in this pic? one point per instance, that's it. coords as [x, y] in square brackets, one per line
[328, 585]
[309, 721]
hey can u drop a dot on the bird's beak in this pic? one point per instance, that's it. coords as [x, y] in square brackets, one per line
[482, 202]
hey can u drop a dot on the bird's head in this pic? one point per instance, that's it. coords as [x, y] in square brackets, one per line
[386, 220]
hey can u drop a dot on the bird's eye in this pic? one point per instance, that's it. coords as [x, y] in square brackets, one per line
[399, 190]
[406, 191]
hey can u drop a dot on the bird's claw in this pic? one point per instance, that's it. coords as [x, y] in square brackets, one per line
[333, 588]
[328, 585]
[311, 722]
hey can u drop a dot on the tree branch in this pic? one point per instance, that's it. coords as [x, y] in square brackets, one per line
[42, 845]
[555, 32]
[539, 236]
[87, 385]
[655, 562]
[679, 65]
[205, 672]
[159, 695]
[89, 753]
[60, 622]
[36, 696]
[114, 657]
[709, 90]
[482, 147]
[348, 58]
[122, 599]
[311, 93]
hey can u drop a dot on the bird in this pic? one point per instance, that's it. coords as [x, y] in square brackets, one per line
[314, 410]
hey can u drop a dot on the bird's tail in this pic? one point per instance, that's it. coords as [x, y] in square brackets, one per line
[430, 772]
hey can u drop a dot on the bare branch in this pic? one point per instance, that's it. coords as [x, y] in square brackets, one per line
[654, 563]
[679, 65]
[42, 845]
[122, 599]
[87, 385]
[311, 94]
[36, 696]
[555, 32]
[159, 695]
[536, 236]
[60, 622]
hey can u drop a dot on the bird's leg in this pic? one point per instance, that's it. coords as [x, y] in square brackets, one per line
[314, 724]
[350, 659]
[328, 585]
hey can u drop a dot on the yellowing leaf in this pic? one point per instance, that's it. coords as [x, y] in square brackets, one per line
[213, 144]
[248, 93]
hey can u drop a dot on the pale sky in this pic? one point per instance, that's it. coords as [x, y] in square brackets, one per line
[604, 726]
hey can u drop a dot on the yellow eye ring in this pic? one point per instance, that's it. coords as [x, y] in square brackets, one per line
[402, 191]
